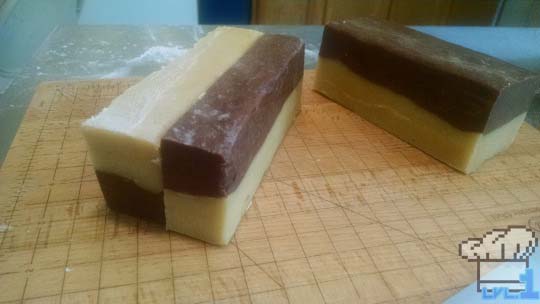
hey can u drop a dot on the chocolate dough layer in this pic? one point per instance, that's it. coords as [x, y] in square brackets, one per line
[208, 150]
[124, 196]
[471, 91]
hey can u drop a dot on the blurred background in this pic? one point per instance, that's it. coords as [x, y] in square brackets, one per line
[410, 12]
[24, 24]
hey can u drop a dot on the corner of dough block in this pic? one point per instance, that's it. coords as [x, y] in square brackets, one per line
[214, 219]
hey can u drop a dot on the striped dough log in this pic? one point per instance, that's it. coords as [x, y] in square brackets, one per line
[188, 145]
[460, 106]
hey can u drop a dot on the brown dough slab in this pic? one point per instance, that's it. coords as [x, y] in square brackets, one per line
[471, 91]
[124, 196]
[208, 150]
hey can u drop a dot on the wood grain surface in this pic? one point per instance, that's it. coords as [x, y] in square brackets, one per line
[411, 12]
[346, 213]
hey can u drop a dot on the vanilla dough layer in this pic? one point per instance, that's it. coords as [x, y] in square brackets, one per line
[214, 219]
[463, 150]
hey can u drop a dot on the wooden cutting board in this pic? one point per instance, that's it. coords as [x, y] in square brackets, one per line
[346, 213]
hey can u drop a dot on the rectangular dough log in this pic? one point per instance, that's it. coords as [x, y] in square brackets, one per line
[460, 106]
[124, 138]
[215, 155]
[188, 145]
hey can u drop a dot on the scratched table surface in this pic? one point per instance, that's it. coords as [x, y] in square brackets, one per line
[346, 213]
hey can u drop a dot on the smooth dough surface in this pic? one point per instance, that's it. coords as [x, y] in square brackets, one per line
[129, 130]
[214, 220]
[464, 151]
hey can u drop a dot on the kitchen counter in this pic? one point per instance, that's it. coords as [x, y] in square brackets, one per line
[93, 52]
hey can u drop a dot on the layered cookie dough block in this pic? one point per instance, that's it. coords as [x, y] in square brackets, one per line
[124, 138]
[205, 127]
[215, 156]
[460, 106]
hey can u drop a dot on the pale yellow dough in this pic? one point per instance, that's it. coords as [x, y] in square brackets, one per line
[214, 220]
[464, 151]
